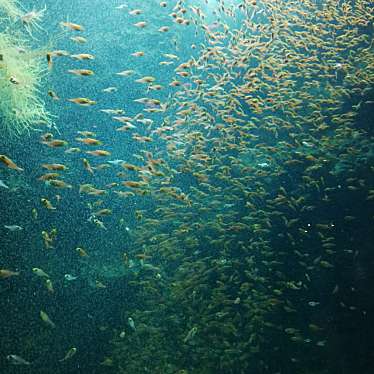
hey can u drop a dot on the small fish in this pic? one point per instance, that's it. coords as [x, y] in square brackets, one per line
[72, 26]
[56, 143]
[190, 334]
[14, 80]
[70, 353]
[54, 166]
[48, 240]
[146, 79]
[83, 56]
[9, 163]
[40, 272]
[49, 285]
[58, 183]
[99, 152]
[17, 360]
[131, 323]
[79, 39]
[49, 60]
[99, 224]
[116, 162]
[82, 101]
[70, 277]
[13, 227]
[2, 184]
[45, 318]
[4, 273]
[313, 303]
[126, 73]
[47, 204]
[99, 284]
[109, 89]
[73, 150]
[83, 72]
[140, 24]
[87, 166]
[81, 252]
[89, 141]
[53, 95]
[34, 213]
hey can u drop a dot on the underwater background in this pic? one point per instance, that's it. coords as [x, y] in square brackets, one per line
[222, 221]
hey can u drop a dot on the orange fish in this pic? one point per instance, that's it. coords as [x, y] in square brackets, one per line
[84, 72]
[9, 163]
[56, 143]
[82, 101]
[89, 141]
[54, 166]
[72, 26]
[99, 152]
[48, 176]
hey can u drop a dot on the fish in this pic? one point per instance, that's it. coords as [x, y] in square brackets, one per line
[48, 240]
[131, 323]
[69, 354]
[40, 273]
[58, 183]
[9, 163]
[13, 228]
[99, 152]
[82, 56]
[82, 101]
[54, 166]
[89, 141]
[48, 176]
[135, 12]
[73, 150]
[190, 335]
[17, 360]
[53, 95]
[45, 318]
[47, 204]
[83, 72]
[49, 60]
[55, 143]
[103, 212]
[141, 24]
[87, 166]
[79, 39]
[146, 79]
[126, 73]
[4, 273]
[82, 252]
[49, 285]
[3, 185]
[115, 162]
[70, 277]
[110, 89]
[34, 213]
[72, 26]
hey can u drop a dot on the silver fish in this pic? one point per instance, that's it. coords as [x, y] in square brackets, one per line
[17, 360]
[70, 277]
[13, 227]
[2, 184]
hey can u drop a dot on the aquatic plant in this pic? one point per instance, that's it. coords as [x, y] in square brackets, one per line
[11, 9]
[21, 72]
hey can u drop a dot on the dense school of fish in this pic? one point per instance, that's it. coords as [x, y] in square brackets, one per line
[237, 168]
